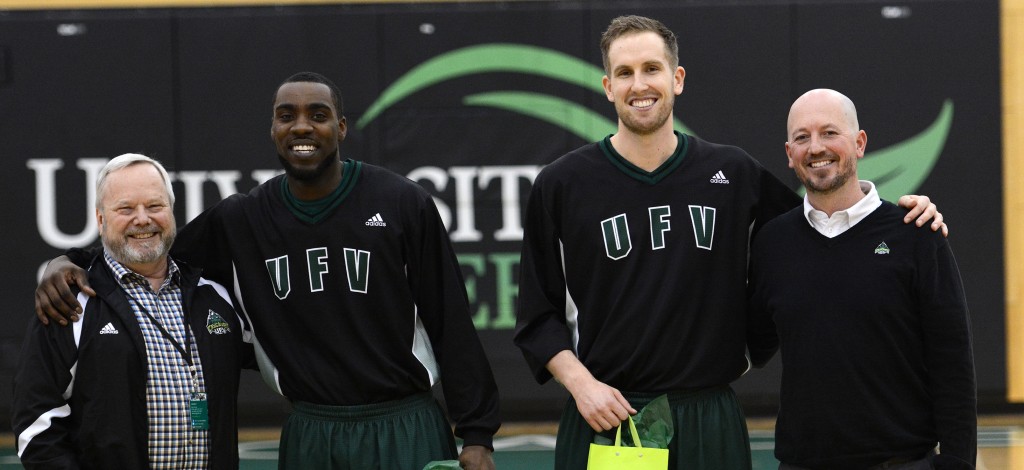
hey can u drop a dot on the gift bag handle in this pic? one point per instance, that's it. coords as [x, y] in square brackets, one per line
[632, 431]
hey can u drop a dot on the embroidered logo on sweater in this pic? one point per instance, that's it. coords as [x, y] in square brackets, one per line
[376, 221]
[719, 178]
[882, 249]
[108, 329]
[216, 325]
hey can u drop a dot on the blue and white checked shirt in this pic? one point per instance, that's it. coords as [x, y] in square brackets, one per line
[173, 444]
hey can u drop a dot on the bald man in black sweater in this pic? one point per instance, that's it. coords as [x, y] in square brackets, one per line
[868, 312]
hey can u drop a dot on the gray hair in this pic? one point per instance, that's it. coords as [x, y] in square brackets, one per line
[127, 160]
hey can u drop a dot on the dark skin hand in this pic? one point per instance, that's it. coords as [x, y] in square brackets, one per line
[54, 298]
[476, 458]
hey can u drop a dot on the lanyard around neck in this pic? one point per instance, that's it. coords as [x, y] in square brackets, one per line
[186, 352]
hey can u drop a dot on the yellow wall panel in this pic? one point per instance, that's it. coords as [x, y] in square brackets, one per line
[1012, 18]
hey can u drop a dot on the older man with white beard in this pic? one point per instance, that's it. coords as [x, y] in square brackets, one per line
[148, 375]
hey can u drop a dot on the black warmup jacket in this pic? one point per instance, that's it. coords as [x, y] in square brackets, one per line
[643, 274]
[81, 403]
[362, 304]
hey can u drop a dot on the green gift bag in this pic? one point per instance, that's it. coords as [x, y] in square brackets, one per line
[618, 457]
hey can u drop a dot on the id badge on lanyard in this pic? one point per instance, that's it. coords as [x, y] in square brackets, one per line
[199, 412]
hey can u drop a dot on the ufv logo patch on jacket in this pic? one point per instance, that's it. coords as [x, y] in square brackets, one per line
[216, 325]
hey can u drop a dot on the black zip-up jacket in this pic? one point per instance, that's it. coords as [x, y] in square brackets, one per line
[81, 404]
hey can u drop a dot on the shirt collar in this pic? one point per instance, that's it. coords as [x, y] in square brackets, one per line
[845, 218]
[127, 277]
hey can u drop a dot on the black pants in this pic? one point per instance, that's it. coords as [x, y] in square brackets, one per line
[710, 432]
[398, 435]
[923, 463]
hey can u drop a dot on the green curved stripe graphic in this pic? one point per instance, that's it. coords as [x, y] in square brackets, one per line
[579, 120]
[895, 170]
[487, 58]
[901, 168]
[504, 58]
[573, 117]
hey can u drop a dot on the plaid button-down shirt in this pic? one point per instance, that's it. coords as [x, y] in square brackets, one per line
[173, 444]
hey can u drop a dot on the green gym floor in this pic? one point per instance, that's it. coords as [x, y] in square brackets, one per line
[531, 446]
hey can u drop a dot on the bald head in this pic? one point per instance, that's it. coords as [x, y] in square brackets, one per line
[823, 100]
[823, 144]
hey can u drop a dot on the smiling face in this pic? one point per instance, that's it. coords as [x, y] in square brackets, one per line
[642, 83]
[306, 130]
[135, 216]
[825, 142]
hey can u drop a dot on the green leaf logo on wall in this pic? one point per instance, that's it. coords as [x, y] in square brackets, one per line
[901, 168]
[516, 58]
[896, 170]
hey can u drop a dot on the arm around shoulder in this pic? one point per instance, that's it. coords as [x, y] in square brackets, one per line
[54, 297]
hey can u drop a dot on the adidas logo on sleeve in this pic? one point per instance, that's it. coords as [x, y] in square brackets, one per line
[376, 221]
[719, 178]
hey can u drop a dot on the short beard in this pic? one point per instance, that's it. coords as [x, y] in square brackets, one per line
[129, 255]
[829, 186]
[640, 129]
[306, 175]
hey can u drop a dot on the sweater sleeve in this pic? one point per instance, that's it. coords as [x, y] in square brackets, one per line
[470, 391]
[762, 336]
[40, 411]
[948, 353]
[541, 330]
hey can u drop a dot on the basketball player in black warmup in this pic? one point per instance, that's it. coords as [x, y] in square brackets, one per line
[635, 260]
[355, 298]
